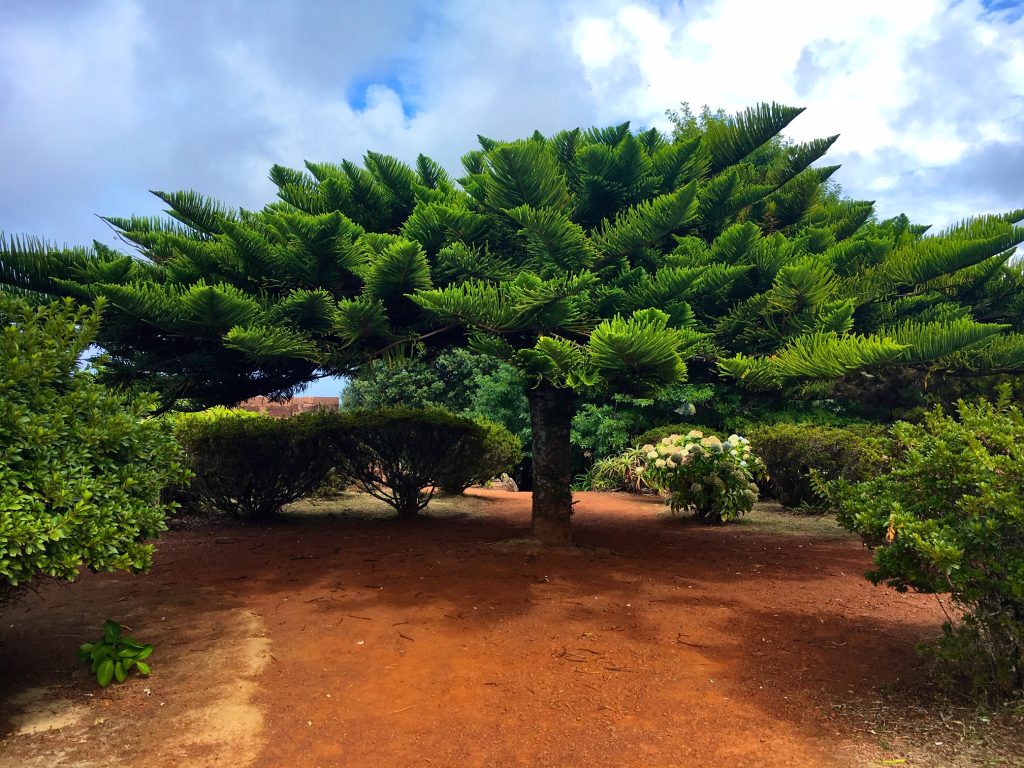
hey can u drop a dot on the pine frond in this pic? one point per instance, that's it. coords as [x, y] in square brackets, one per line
[525, 173]
[1002, 354]
[218, 307]
[559, 303]
[360, 320]
[565, 145]
[553, 241]
[642, 350]
[551, 359]
[729, 141]
[931, 257]
[202, 214]
[401, 269]
[397, 179]
[932, 341]
[267, 342]
[431, 174]
[680, 163]
[610, 136]
[737, 244]
[305, 310]
[458, 262]
[807, 282]
[473, 303]
[817, 356]
[836, 319]
[370, 203]
[648, 223]
[798, 158]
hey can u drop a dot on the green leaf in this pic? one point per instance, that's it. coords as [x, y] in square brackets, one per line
[111, 631]
[143, 668]
[105, 673]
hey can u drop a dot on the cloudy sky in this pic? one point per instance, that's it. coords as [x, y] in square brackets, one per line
[101, 100]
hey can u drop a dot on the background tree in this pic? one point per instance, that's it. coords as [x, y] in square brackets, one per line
[589, 261]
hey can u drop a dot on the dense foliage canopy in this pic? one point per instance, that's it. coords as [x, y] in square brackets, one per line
[590, 260]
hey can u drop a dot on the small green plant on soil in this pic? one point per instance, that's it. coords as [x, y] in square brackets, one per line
[712, 477]
[113, 656]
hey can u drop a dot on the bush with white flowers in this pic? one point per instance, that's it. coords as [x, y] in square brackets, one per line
[713, 478]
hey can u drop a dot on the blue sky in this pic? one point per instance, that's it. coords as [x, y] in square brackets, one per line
[102, 100]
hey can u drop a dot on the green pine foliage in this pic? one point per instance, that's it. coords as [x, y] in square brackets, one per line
[81, 468]
[598, 258]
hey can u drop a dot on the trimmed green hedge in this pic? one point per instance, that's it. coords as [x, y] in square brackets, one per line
[247, 465]
[793, 453]
[81, 467]
[402, 456]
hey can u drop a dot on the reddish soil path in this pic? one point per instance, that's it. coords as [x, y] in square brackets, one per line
[369, 642]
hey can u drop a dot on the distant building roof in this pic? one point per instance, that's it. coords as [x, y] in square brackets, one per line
[290, 407]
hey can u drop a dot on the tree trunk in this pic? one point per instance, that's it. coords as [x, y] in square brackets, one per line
[551, 411]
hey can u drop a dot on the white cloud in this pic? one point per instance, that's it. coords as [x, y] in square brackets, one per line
[102, 100]
[910, 86]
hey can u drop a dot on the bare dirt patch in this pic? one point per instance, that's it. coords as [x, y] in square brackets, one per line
[365, 641]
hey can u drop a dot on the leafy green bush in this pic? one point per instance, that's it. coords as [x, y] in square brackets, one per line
[113, 655]
[402, 455]
[949, 518]
[81, 467]
[711, 477]
[794, 453]
[247, 465]
[499, 451]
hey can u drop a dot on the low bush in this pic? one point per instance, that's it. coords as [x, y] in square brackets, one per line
[616, 473]
[247, 465]
[794, 453]
[710, 477]
[498, 451]
[81, 467]
[402, 455]
[948, 517]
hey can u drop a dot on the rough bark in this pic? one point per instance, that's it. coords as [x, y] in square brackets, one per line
[551, 412]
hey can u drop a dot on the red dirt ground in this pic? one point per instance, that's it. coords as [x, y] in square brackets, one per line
[370, 642]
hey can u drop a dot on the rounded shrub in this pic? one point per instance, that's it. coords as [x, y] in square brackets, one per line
[498, 451]
[402, 456]
[948, 517]
[81, 467]
[247, 465]
[795, 453]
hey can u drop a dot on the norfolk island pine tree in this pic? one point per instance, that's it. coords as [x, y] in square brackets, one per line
[597, 260]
